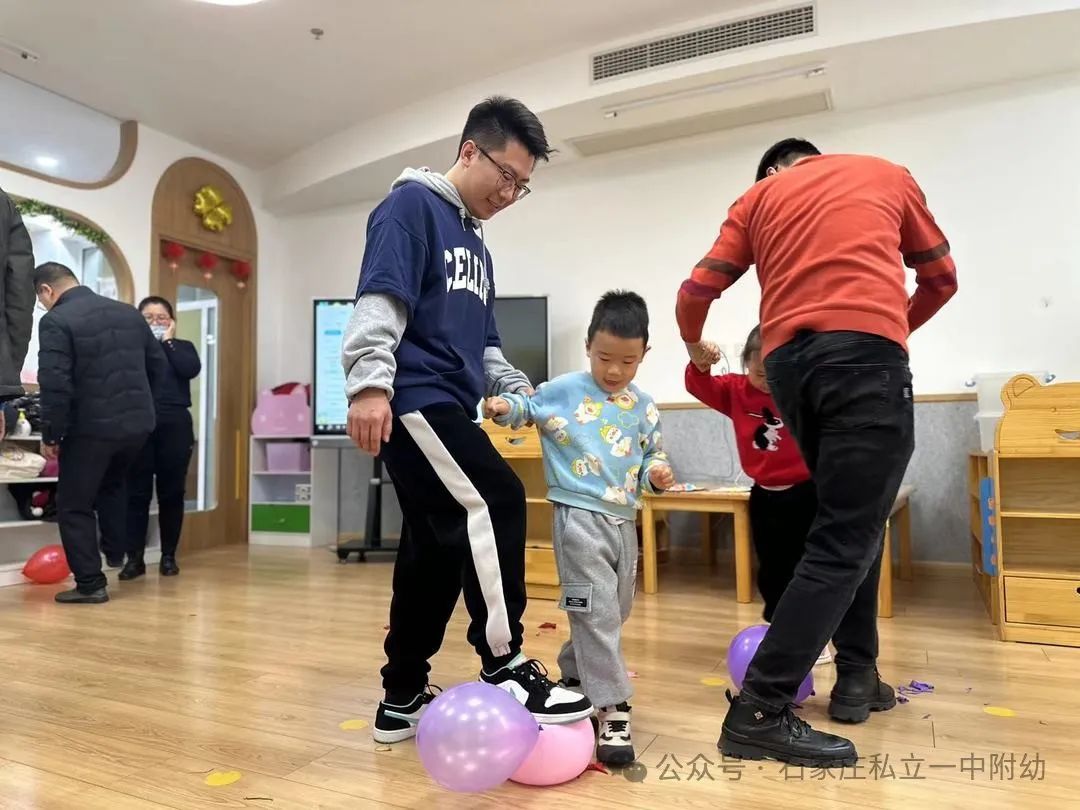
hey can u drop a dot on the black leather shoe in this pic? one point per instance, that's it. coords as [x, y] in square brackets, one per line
[114, 560]
[77, 597]
[168, 567]
[133, 570]
[753, 733]
[857, 693]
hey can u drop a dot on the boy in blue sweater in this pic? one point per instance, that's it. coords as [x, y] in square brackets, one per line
[602, 447]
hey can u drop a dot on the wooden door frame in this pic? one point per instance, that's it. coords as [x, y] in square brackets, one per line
[173, 219]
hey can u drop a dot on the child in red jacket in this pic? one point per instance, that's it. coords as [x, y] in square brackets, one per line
[783, 501]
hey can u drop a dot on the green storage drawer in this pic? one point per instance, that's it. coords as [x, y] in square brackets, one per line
[287, 518]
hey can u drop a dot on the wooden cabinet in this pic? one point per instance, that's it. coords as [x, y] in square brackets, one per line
[521, 449]
[1037, 498]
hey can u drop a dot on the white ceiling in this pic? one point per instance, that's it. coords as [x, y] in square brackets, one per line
[252, 84]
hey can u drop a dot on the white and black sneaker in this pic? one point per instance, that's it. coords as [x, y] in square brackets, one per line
[526, 679]
[614, 746]
[395, 722]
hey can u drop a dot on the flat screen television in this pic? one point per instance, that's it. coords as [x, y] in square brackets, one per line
[329, 408]
[523, 327]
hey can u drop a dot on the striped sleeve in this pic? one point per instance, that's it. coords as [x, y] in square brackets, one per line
[727, 260]
[925, 249]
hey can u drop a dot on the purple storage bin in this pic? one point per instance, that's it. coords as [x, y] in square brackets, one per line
[288, 457]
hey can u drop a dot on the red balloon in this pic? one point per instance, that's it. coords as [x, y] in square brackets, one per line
[47, 565]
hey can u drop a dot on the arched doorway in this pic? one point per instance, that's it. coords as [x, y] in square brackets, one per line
[204, 252]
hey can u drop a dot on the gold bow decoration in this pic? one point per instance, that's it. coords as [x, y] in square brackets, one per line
[215, 212]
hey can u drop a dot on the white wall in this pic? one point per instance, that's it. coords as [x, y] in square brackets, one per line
[123, 210]
[997, 167]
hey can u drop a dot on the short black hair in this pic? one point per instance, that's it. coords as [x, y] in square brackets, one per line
[161, 302]
[621, 313]
[52, 273]
[784, 153]
[753, 345]
[498, 119]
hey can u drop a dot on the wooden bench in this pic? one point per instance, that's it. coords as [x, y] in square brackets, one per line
[736, 502]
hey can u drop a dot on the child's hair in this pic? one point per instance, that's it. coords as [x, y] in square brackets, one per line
[753, 345]
[621, 313]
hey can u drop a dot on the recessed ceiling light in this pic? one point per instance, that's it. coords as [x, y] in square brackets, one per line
[231, 2]
[46, 162]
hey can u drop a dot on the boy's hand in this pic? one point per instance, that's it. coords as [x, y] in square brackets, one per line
[661, 476]
[495, 406]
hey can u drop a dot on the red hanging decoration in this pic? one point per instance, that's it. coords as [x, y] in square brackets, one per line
[241, 272]
[207, 261]
[173, 253]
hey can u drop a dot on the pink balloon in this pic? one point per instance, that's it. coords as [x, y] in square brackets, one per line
[562, 753]
[47, 565]
[741, 652]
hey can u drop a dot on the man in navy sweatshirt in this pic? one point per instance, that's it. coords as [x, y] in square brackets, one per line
[421, 352]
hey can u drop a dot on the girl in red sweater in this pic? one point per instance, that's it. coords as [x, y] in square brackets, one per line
[783, 501]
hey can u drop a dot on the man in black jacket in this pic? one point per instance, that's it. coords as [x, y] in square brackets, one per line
[16, 300]
[97, 363]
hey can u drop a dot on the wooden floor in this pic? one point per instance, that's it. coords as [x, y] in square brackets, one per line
[248, 664]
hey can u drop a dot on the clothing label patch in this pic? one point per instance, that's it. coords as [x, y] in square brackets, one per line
[581, 602]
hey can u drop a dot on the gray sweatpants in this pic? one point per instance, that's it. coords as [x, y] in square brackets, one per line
[597, 560]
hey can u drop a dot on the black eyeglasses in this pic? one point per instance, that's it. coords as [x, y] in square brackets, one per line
[521, 191]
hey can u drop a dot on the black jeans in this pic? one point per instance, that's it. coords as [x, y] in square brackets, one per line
[464, 510]
[780, 521]
[89, 468]
[846, 396]
[165, 457]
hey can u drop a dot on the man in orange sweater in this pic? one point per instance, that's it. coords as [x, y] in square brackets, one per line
[827, 234]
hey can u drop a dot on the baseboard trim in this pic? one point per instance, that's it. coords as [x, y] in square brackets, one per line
[11, 573]
[280, 540]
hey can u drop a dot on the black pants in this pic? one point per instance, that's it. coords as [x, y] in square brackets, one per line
[464, 510]
[89, 468]
[165, 457]
[780, 520]
[846, 397]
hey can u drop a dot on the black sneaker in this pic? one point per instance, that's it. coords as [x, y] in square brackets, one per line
[614, 746]
[395, 722]
[114, 560]
[526, 679]
[857, 693]
[133, 569]
[570, 683]
[753, 733]
[168, 567]
[77, 597]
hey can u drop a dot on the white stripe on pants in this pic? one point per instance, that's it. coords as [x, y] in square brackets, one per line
[480, 531]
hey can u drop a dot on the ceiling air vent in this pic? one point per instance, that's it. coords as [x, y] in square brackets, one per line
[729, 36]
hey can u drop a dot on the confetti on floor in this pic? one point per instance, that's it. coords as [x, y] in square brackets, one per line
[631, 674]
[380, 749]
[913, 688]
[596, 766]
[222, 778]
[713, 681]
[999, 711]
[353, 725]
[547, 626]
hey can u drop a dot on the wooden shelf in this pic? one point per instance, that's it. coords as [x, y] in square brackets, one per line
[1041, 573]
[1034, 515]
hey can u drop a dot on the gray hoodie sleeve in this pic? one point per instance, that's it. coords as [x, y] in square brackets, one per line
[371, 338]
[500, 377]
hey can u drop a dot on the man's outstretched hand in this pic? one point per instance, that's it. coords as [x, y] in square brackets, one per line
[370, 420]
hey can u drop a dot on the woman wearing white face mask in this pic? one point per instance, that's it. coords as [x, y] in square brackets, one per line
[167, 452]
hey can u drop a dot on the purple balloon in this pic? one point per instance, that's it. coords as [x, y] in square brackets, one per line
[741, 652]
[474, 736]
